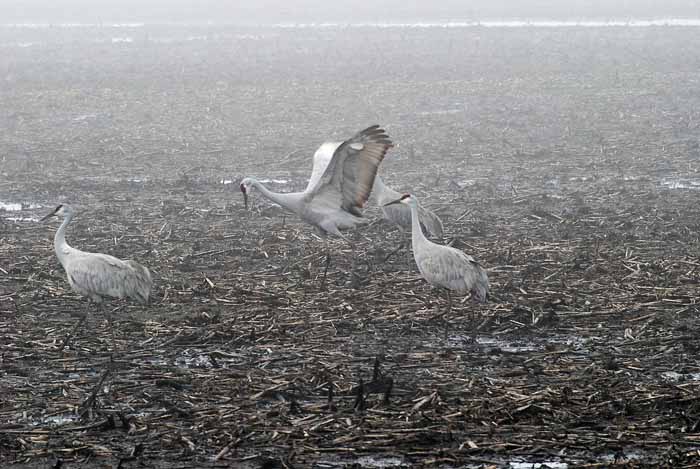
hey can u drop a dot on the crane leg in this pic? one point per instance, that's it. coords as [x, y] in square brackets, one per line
[409, 254]
[110, 325]
[328, 263]
[388, 256]
[69, 336]
[407, 242]
[448, 311]
[353, 264]
[325, 270]
[354, 276]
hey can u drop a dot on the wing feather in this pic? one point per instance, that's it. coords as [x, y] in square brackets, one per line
[451, 268]
[349, 176]
[322, 157]
[97, 275]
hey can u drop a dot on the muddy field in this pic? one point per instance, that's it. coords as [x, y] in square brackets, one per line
[564, 159]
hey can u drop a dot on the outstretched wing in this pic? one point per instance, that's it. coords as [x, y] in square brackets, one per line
[322, 157]
[348, 178]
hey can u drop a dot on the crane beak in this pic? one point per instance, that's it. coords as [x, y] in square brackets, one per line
[397, 201]
[244, 191]
[49, 215]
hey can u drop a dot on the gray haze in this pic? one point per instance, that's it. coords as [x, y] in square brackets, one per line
[264, 11]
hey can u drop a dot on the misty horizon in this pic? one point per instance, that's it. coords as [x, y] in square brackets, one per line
[316, 11]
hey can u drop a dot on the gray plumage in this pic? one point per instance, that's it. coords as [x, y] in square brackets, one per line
[340, 183]
[96, 275]
[445, 266]
[400, 214]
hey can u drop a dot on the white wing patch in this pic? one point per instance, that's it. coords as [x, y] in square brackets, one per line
[322, 157]
[350, 173]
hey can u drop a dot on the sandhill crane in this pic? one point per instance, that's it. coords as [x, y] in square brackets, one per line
[444, 266]
[98, 275]
[339, 186]
[400, 214]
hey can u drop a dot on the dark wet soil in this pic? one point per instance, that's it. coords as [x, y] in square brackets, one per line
[565, 160]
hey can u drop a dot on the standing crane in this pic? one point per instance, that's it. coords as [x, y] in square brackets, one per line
[340, 184]
[400, 215]
[98, 275]
[444, 266]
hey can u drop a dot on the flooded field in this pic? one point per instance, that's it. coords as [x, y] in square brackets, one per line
[564, 159]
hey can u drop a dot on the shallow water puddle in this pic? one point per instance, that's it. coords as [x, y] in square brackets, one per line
[520, 345]
[10, 207]
[21, 44]
[194, 361]
[58, 419]
[84, 117]
[365, 461]
[185, 360]
[275, 181]
[155, 361]
[506, 346]
[23, 219]
[111, 180]
[681, 183]
[372, 461]
[675, 376]
[538, 465]
[264, 181]
[18, 207]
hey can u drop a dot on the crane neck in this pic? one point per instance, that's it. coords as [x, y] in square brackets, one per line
[286, 200]
[416, 231]
[59, 240]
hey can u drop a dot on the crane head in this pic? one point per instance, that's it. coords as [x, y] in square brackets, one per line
[60, 211]
[246, 184]
[404, 199]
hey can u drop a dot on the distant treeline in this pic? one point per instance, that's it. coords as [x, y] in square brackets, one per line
[267, 11]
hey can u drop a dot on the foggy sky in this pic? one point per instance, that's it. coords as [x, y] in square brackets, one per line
[270, 11]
